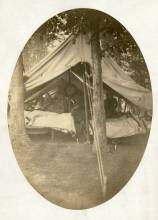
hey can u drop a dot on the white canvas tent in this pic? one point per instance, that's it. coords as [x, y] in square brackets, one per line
[74, 51]
[69, 54]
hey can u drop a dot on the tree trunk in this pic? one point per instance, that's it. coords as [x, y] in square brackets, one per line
[99, 116]
[16, 105]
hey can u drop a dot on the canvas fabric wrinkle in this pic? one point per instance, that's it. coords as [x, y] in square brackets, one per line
[116, 128]
[74, 51]
[42, 119]
[123, 127]
[116, 79]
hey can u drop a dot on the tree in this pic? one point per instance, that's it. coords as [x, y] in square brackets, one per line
[82, 21]
[98, 99]
[16, 106]
[114, 38]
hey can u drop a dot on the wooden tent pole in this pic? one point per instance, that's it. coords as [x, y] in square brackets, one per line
[69, 82]
[86, 110]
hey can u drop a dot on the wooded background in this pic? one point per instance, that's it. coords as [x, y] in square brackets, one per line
[115, 40]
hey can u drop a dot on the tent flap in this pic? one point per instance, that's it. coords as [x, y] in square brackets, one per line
[115, 78]
[74, 51]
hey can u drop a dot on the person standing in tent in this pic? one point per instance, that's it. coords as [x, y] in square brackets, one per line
[110, 105]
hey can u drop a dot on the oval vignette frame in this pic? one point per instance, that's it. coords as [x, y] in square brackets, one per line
[69, 164]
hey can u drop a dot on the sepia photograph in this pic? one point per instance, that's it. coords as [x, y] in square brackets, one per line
[80, 108]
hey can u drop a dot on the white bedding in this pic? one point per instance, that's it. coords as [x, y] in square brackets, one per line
[42, 119]
[115, 128]
[125, 127]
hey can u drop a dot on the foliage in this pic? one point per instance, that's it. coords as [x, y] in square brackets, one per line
[115, 39]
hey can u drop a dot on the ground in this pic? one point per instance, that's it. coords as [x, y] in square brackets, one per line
[67, 173]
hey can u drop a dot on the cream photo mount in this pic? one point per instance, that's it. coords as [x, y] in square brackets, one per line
[19, 200]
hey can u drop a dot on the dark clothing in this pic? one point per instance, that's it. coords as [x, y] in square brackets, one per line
[110, 106]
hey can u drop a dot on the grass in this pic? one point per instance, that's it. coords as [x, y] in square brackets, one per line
[66, 173]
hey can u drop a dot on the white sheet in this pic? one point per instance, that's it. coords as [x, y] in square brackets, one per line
[115, 128]
[41, 119]
[124, 127]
